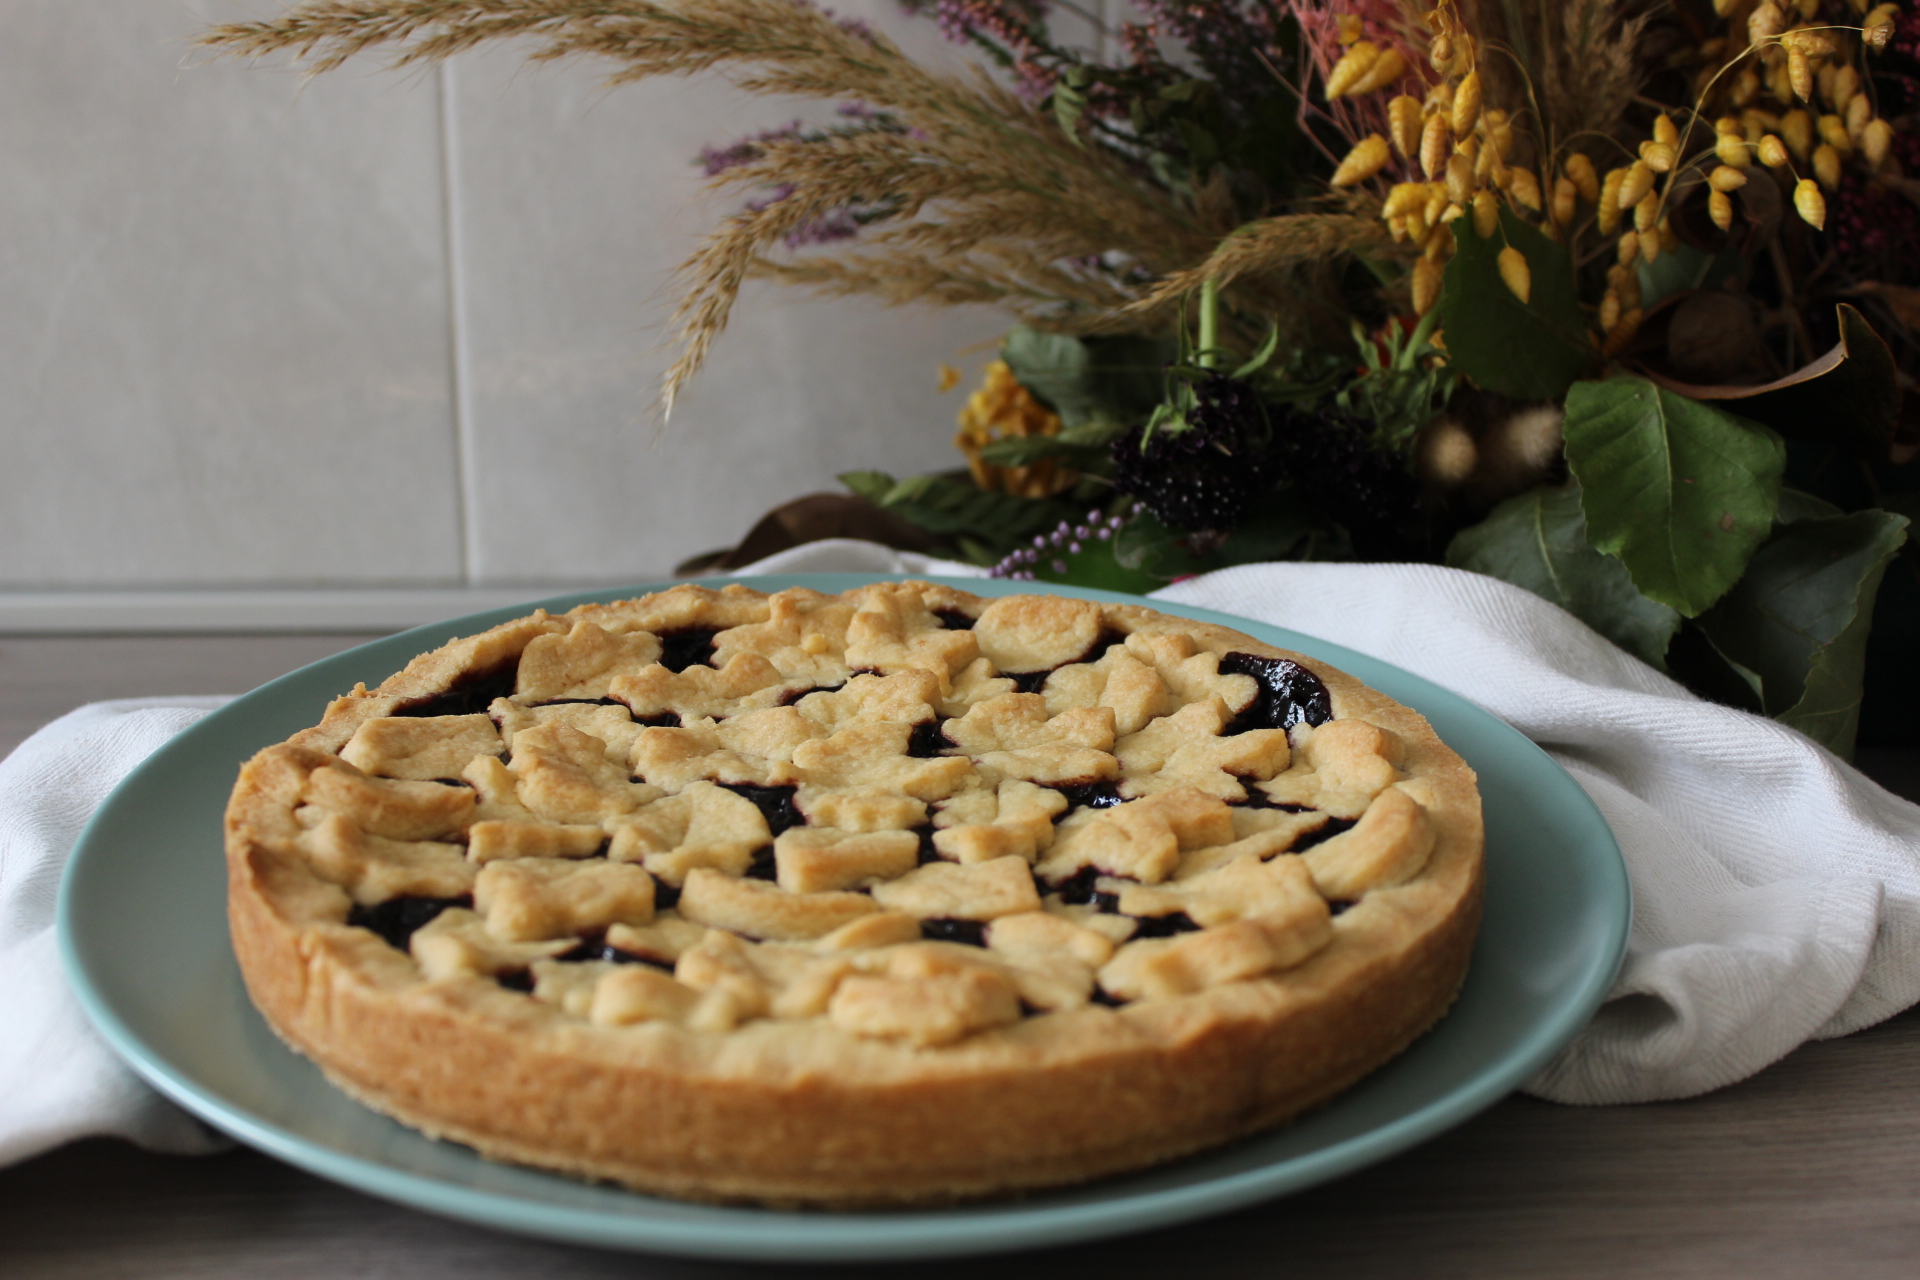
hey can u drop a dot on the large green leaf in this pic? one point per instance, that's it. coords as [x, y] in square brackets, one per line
[1799, 618]
[1530, 350]
[953, 506]
[1680, 491]
[1539, 541]
[1081, 378]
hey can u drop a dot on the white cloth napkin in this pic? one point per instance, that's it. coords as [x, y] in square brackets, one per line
[58, 1079]
[1776, 889]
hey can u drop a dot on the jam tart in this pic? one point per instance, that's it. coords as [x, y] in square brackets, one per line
[902, 895]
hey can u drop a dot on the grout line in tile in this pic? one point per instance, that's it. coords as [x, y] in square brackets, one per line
[465, 500]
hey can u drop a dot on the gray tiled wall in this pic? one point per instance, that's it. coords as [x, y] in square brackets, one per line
[394, 328]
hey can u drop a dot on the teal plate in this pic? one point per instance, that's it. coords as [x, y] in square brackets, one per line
[143, 930]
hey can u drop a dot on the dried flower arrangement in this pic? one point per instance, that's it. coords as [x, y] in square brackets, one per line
[1602, 297]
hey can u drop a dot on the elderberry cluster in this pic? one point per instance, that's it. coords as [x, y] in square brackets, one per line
[1207, 475]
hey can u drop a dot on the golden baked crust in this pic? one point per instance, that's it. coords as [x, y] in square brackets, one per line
[899, 896]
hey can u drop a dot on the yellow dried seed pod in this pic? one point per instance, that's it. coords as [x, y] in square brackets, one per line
[1470, 148]
[1629, 246]
[1486, 214]
[1875, 141]
[1397, 227]
[1403, 123]
[1609, 202]
[1437, 200]
[1634, 187]
[1858, 6]
[1728, 124]
[1811, 44]
[1859, 111]
[1800, 75]
[1878, 28]
[1353, 64]
[1388, 68]
[1466, 104]
[1733, 149]
[1585, 179]
[1764, 23]
[1459, 179]
[1515, 272]
[1833, 132]
[1348, 26]
[1807, 8]
[1809, 203]
[1609, 310]
[1427, 275]
[1629, 286]
[1796, 128]
[1484, 162]
[1440, 243]
[1843, 88]
[1524, 188]
[1823, 81]
[1645, 212]
[1780, 83]
[1440, 97]
[1452, 212]
[1722, 8]
[1404, 196]
[1664, 131]
[1669, 238]
[1773, 152]
[1726, 178]
[1658, 155]
[1617, 277]
[1501, 135]
[1417, 226]
[1564, 196]
[1433, 144]
[1650, 247]
[1746, 87]
[1720, 209]
[1621, 334]
[1440, 53]
[1368, 157]
[1826, 165]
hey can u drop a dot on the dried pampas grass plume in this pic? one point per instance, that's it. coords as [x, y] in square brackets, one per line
[967, 192]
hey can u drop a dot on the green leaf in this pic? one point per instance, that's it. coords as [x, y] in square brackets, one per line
[1539, 541]
[1679, 490]
[1085, 378]
[1529, 350]
[871, 485]
[953, 506]
[1679, 270]
[1799, 618]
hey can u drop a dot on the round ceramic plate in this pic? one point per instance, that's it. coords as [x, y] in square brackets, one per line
[143, 929]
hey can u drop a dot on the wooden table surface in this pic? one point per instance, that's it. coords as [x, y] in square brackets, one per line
[1812, 1168]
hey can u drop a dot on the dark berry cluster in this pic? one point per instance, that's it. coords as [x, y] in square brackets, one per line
[1370, 493]
[1207, 475]
[1874, 228]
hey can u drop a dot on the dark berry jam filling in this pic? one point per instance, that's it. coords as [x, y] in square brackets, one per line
[468, 695]
[516, 980]
[585, 702]
[396, 919]
[1289, 694]
[665, 720]
[792, 696]
[1164, 926]
[1333, 828]
[763, 866]
[665, 895]
[927, 741]
[1089, 795]
[1337, 906]
[600, 949]
[954, 620]
[948, 929]
[1078, 890]
[775, 804]
[1102, 996]
[927, 851]
[692, 647]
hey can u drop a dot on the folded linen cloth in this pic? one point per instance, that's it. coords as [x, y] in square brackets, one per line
[1776, 889]
[58, 1079]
